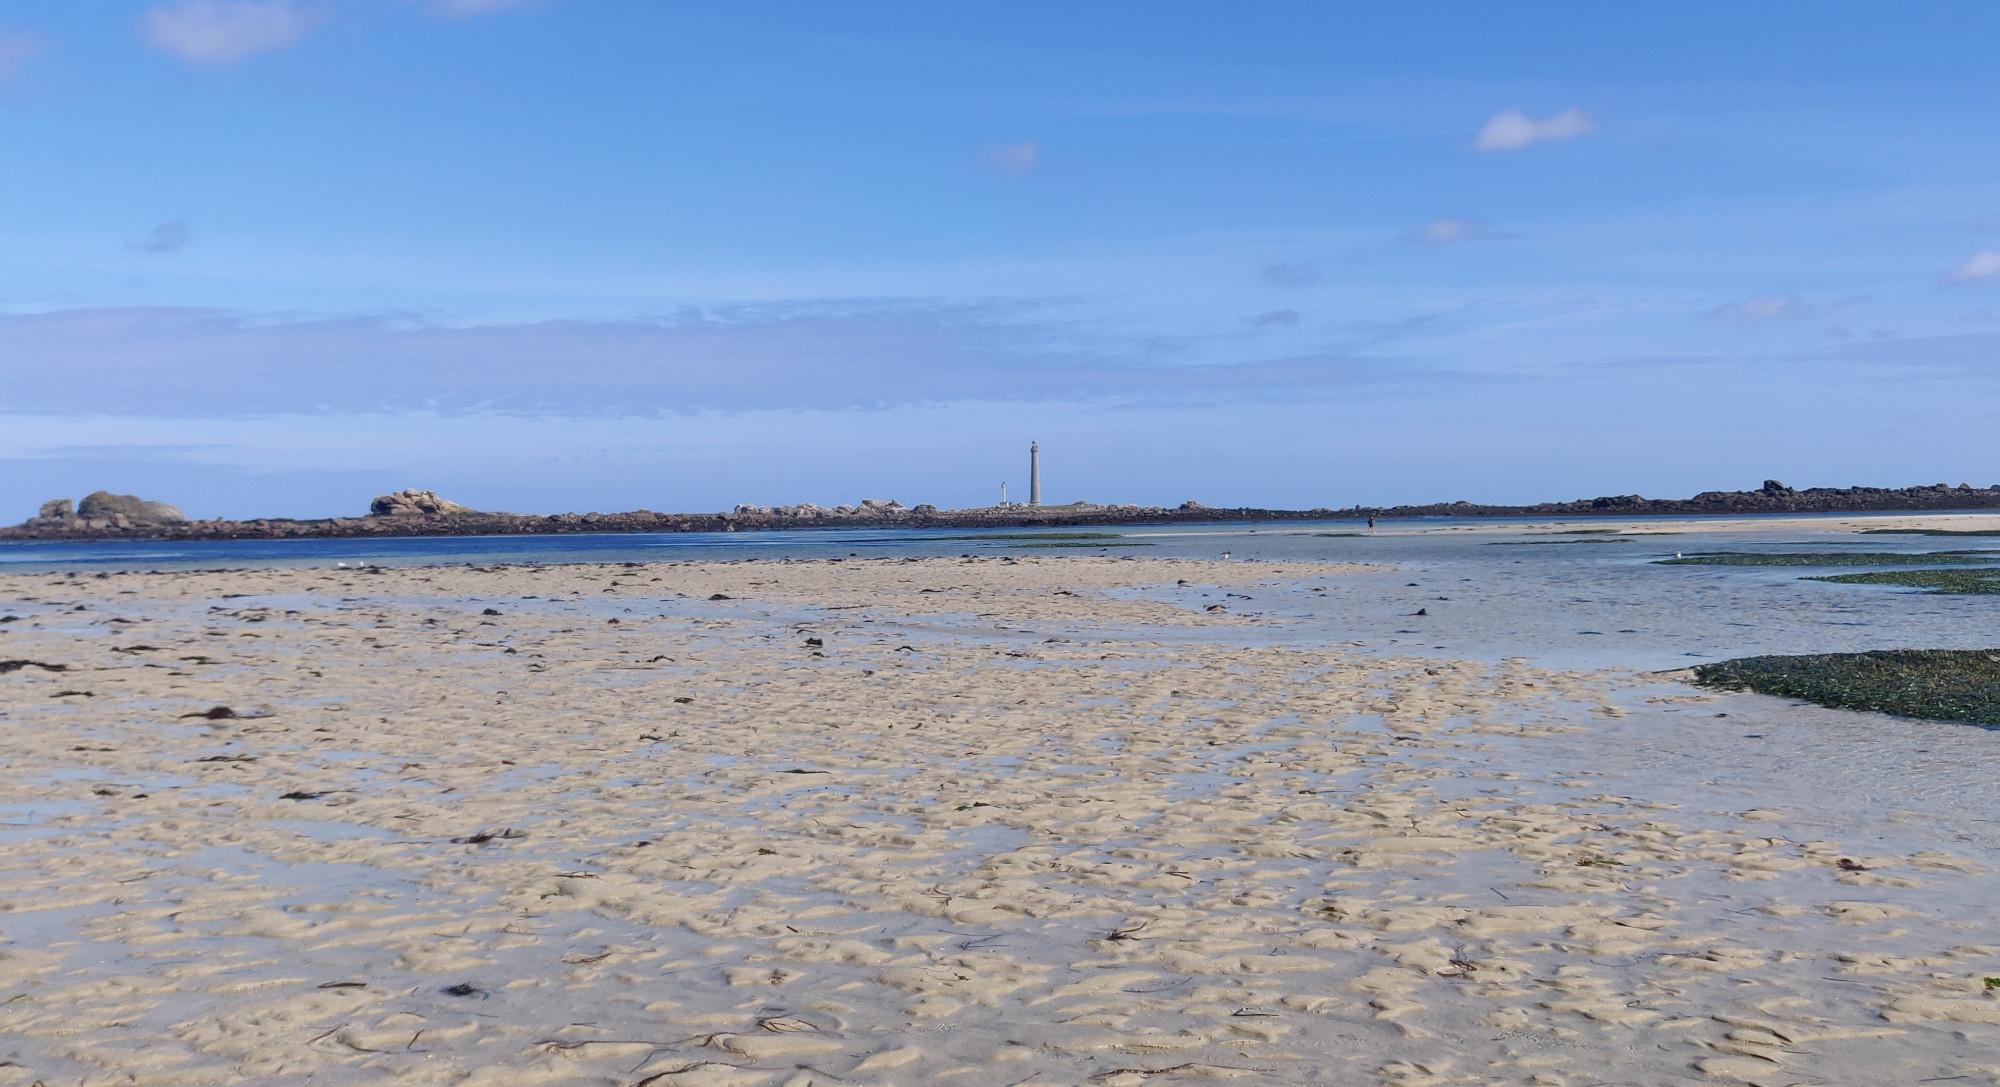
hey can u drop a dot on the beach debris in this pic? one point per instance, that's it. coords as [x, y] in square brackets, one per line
[683, 700]
[343, 985]
[465, 988]
[213, 713]
[1422, 611]
[654, 660]
[1992, 983]
[1849, 864]
[228, 758]
[805, 771]
[17, 665]
[67, 694]
[815, 641]
[1215, 607]
[297, 794]
[484, 836]
[491, 611]
[722, 596]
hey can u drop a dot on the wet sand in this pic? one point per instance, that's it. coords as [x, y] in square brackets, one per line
[980, 822]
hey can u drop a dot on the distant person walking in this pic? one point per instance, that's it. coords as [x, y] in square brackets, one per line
[1371, 522]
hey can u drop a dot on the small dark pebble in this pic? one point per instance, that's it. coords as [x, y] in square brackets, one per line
[490, 611]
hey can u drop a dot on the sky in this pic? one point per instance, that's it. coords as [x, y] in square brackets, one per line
[275, 257]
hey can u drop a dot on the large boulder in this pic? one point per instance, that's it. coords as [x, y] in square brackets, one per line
[57, 509]
[103, 505]
[411, 503]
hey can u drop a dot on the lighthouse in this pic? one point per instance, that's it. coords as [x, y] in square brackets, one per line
[1034, 473]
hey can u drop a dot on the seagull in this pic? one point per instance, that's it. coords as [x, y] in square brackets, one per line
[1225, 554]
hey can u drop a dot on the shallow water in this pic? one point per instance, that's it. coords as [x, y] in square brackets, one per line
[1491, 589]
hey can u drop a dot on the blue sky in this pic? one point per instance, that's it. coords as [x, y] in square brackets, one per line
[273, 257]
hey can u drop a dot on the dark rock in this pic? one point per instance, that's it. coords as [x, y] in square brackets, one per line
[58, 508]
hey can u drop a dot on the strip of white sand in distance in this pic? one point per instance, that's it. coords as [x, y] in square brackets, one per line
[441, 846]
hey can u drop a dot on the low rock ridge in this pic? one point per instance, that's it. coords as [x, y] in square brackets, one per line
[102, 511]
[424, 513]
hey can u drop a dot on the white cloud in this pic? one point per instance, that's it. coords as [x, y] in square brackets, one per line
[221, 31]
[15, 48]
[1513, 130]
[1016, 158]
[1453, 231]
[1762, 309]
[1982, 264]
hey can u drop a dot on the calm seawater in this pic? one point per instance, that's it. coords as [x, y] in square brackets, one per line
[1489, 589]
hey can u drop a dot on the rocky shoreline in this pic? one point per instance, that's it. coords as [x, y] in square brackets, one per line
[422, 513]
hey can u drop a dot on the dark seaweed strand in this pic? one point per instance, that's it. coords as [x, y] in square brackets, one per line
[1830, 558]
[1936, 684]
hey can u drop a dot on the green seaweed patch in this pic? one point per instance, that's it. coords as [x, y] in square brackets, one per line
[1828, 558]
[1935, 684]
[1985, 581]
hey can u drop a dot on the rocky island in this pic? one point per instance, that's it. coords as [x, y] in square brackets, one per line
[423, 513]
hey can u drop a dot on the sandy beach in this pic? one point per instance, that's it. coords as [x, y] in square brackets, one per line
[982, 822]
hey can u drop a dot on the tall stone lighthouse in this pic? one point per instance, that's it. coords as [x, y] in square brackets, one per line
[1034, 473]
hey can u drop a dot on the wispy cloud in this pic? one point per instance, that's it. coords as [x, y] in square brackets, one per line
[1512, 130]
[830, 356]
[1015, 158]
[1980, 265]
[1273, 317]
[222, 31]
[1453, 231]
[165, 238]
[467, 9]
[1762, 309]
[16, 47]
[1287, 274]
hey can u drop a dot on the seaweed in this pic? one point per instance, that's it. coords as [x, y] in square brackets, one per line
[1933, 581]
[1934, 684]
[17, 665]
[1828, 558]
[1930, 531]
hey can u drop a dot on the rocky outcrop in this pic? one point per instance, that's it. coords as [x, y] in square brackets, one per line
[105, 506]
[422, 513]
[100, 513]
[413, 503]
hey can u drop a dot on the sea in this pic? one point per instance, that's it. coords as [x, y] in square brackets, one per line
[1564, 595]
